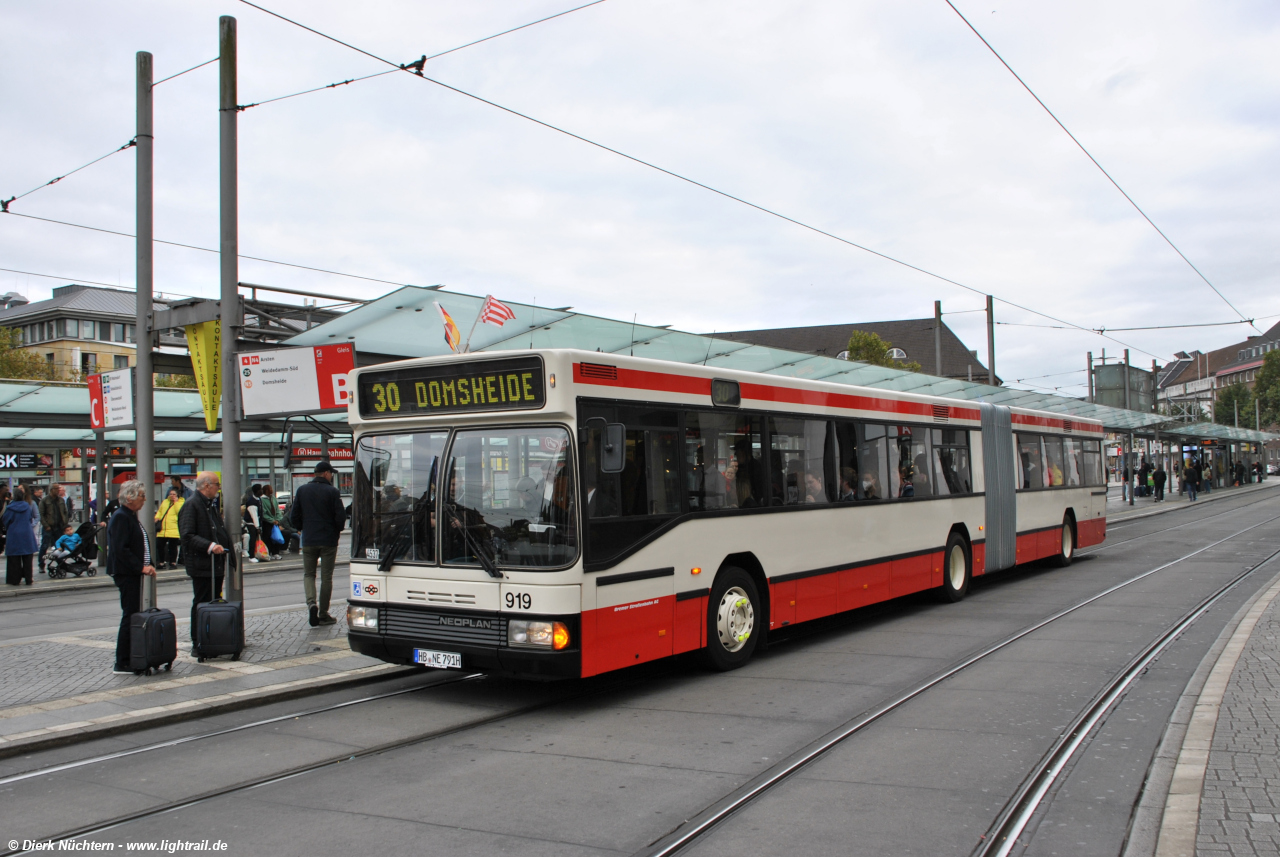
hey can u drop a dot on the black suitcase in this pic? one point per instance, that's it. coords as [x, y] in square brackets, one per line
[153, 640]
[219, 629]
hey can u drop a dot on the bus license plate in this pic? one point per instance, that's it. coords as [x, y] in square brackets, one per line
[439, 660]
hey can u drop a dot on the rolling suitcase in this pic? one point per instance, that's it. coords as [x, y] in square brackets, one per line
[219, 628]
[153, 640]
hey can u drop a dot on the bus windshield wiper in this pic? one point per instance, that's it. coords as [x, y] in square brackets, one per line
[486, 561]
[399, 545]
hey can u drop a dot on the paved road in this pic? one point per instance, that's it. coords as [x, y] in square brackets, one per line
[607, 766]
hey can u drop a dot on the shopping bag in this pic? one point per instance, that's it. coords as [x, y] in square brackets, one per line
[260, 550]
[276, 535]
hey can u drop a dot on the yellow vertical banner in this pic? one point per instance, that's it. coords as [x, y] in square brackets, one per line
[204, 341]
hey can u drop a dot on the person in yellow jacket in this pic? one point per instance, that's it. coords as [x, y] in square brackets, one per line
[168, 539]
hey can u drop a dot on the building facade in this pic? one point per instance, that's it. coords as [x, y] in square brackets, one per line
[79, 331]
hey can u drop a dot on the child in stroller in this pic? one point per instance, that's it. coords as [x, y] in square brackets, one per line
[74, 553]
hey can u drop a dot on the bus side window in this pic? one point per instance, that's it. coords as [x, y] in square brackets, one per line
[1053, 475]
[798, 456]
[847, 470]
[1092, 462]
[1030, 461]
[722, 460]
[1071, 461]
[951, 462]
[874, 460]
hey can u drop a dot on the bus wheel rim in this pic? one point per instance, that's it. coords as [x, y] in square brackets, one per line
[1067, 542]
[956, 568]
[735, 619]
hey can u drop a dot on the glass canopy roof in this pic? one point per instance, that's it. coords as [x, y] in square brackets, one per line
[393, 326]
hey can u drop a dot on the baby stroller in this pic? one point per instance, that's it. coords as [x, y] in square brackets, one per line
[80, 561]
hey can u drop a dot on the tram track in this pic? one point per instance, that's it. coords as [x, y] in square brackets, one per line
[1113, 543]
[675, 842]
[693, 829]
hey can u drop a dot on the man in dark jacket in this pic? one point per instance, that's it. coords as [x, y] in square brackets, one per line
[1160, 478]
[205, 542]
[53, 519]
[317, 511]
[128, 560]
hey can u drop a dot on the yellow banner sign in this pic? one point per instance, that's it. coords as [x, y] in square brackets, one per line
[204, 341]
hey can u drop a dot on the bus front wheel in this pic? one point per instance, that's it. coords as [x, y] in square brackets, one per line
[734, 620]
[957, 569]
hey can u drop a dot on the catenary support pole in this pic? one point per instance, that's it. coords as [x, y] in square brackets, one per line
[144, 393]
[100, 488]
[937, 338]
[991, 341]
[230, 247]
[1090, 377]
[1128, 406]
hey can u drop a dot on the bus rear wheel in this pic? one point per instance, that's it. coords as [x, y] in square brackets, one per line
[734, 620]
[957, 569]
[1068, 549]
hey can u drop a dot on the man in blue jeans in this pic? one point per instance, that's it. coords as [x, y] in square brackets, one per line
[318, 513]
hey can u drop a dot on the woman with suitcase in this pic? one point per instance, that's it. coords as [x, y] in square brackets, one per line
[128, 559]
[19, 520]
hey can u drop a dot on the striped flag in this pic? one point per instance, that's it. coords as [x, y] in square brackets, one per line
[495, 311]
[451, 333]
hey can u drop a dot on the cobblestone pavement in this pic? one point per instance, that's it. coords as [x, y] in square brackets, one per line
[78, 664]
[1240, 804]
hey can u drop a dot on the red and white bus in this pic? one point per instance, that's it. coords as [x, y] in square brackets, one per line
[567, 513]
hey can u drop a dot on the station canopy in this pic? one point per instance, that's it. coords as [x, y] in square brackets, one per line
[35, 413]
[406, 323]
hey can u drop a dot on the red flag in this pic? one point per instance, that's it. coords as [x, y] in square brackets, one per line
[495, 312]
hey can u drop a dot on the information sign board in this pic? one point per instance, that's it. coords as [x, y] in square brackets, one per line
[295, 380]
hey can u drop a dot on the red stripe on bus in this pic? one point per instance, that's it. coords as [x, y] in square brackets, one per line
[1051, 422]
[636, 379]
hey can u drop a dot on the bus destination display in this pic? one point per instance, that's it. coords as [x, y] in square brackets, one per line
[489, 385]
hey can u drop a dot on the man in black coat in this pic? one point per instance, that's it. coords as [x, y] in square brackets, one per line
[128, 560]
[318, 513]
[205, 542]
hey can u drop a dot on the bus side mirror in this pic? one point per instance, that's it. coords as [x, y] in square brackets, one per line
[612, 453]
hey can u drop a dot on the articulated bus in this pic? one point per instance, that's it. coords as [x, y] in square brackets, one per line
[560, 513]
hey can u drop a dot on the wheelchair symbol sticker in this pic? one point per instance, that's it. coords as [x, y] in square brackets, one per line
[356, 588]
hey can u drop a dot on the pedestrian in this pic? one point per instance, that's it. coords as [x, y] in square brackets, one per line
[36, 498]
[168, 539]
[1125, 491]
[318, 513]
[1160, 477]
[5, 499]
[1143, 472]
[19, 521]
[53, 519]
[128, 561]
[1206, 479]
[251, 514]
[205, 543]
[176, 484]
[273, 516]
[1191, 480]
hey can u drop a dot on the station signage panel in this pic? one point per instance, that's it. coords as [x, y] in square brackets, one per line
[295, 380]
[453, 388]
[111, 400]
[336, 453]
[18, 461]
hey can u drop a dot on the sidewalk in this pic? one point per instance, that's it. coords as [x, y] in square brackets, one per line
[44, 585]
[60, 689]
[1120, 510]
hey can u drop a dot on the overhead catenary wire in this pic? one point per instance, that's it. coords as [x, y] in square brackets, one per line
[209, 250]
[696, 183]
[425, 58]
[4, 203]
[181, 73]
[1088, 155]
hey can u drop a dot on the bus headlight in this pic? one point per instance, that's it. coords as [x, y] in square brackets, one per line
[527, 632]
[364, 618]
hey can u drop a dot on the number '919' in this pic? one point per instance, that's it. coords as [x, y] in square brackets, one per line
[519, 600]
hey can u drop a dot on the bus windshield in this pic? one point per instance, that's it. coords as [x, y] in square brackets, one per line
[393, 511]
[510, 496]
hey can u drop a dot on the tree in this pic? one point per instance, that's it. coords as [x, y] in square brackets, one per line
[16, 363]
[870, 348]
[183, 382]
[1224, 411]
[1266, 388]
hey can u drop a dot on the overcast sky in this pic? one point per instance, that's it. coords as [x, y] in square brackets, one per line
[886, 123]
